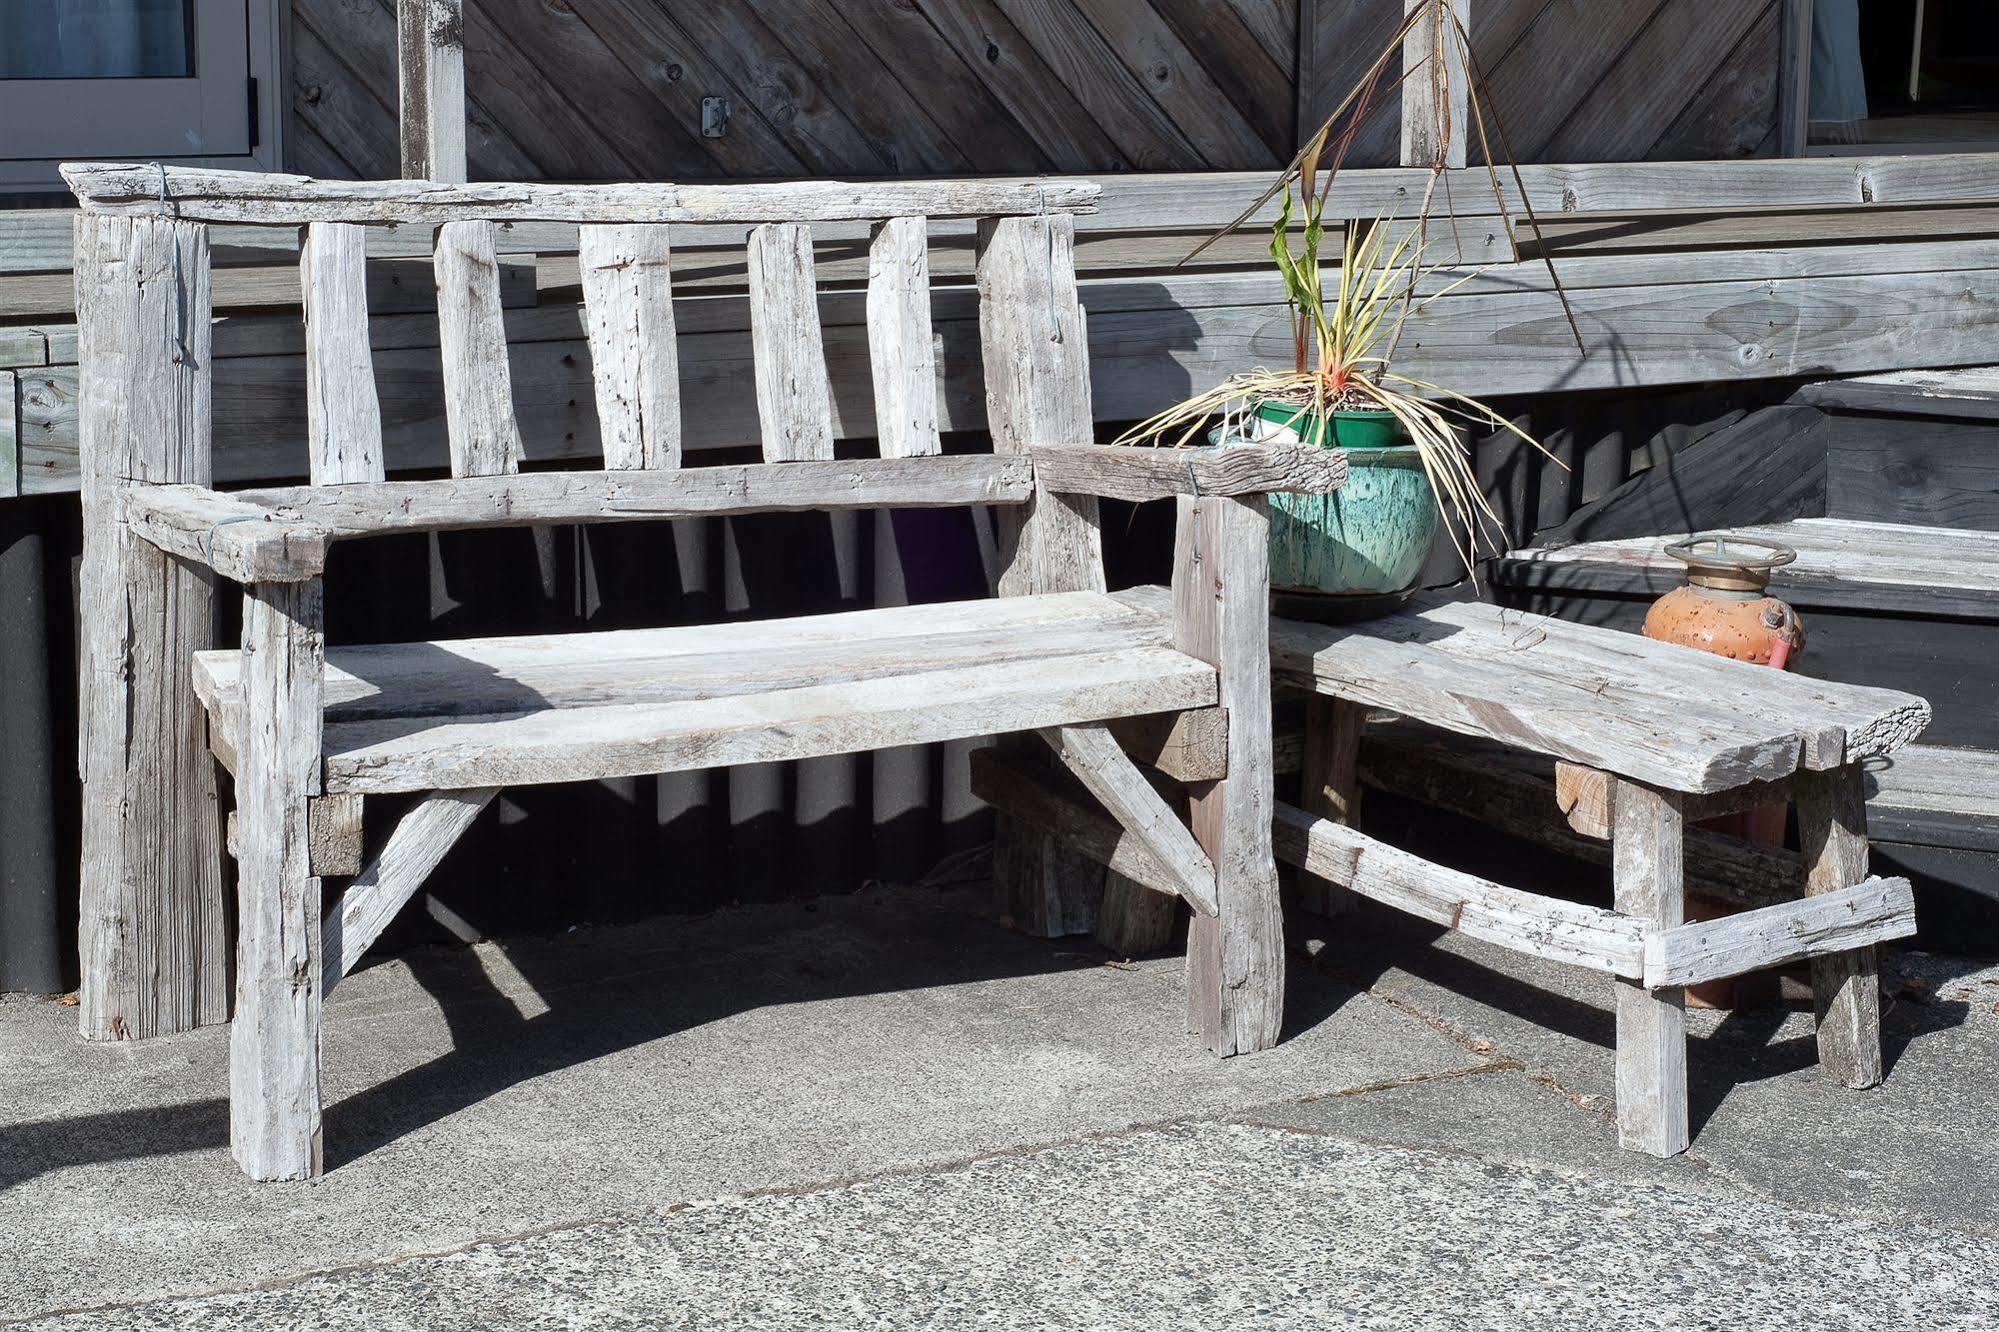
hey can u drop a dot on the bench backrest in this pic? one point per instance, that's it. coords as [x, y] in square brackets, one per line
[147, 224]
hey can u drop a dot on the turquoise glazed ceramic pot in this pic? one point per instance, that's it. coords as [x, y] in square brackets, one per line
[1359, 550]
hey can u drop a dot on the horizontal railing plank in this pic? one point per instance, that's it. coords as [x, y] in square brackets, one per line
[1141, 474]
[206, 195]
[518, 500]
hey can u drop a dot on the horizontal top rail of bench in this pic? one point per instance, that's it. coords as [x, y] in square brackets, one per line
[201, 195]
[280, 534]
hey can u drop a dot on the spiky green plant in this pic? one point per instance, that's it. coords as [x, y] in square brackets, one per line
[1344, 339]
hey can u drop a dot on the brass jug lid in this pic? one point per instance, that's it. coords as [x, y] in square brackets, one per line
[1730, 563]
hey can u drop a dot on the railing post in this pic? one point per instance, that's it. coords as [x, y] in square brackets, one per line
[1436, 97]
[430, 62]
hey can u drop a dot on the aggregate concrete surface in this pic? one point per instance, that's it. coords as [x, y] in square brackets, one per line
[884, 1111]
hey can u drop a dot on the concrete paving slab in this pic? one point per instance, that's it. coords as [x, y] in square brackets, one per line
[1924, 1145]
[516, 1086]
[1208, 1226]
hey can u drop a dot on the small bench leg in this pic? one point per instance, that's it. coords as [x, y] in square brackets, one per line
[1846, 987]
[1330, 784]
[274, 1094]
[1651, 1024]
[1221, 614]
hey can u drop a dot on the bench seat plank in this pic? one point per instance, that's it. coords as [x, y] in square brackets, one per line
[1653, 712]
[503, 712]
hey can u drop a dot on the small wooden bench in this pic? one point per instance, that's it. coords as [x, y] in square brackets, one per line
[1649, 738]
[311, 732]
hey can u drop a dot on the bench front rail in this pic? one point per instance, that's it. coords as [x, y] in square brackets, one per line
[311, 733]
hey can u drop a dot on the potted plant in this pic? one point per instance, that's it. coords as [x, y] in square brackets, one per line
[1361, 549]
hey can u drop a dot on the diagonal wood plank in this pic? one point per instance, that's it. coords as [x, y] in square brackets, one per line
[1092, 755]
[366, 906]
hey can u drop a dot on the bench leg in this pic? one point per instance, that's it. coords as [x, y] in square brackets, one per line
[1846, 987]
[1330, 785]
[1221, 614]
[1651, 1024]
[274, 1094]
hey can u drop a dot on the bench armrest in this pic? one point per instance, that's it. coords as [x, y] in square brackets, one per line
[1116, 472]
[240, 539]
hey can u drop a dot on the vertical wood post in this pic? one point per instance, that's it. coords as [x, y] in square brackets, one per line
[430, 64]
[274, 1093]
[1648, 848]
[1037, 371]
[152, 934]
[1832, 832]
[1436, 97]
[1221, 614]
[1329, 785]
[1794, 79]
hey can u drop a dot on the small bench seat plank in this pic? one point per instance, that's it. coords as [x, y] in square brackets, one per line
[503, 712]
[1653, 712]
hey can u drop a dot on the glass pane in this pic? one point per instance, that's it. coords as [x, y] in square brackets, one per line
[96, 39]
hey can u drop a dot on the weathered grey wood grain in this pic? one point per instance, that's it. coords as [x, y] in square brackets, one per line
[794, 396]
[243, 541]
[629, 740]
[1547, 927]
[1133, 920]
[1436, 88]
[1141, 474]
[10, 435]
[1037, 798]
[1221, 609]
[1034, 350]
[430, 63]
[1846, 986]
[1329, 781]
[1185, 746]
[472, 338]
[901, 349]
[366, 906]
[1861, 916]
[274, 1083]
[202, 194]
[470, 677]
[1651, 1023]
[1586, 796]
[152, 932]
[343, 412]
[627, 274]
[333, 834]
[1036, 359]
[1093, 757]
[1685, 720]
[554, 497]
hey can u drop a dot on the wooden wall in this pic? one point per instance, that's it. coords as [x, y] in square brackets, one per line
[1579, 80]
[588, 89]
[612, 89]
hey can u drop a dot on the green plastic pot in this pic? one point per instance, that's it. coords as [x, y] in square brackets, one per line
[1359, 550]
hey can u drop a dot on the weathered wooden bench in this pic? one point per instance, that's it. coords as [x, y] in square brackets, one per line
[311, 732]
[1649, 738]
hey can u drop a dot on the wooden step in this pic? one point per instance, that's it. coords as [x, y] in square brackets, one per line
[567, 707]
[1842, 564]
[1970, 393]
[1935, 795]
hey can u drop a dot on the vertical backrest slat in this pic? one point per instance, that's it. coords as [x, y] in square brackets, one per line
[343, 413]
[899, 341]
[794, 400]
[634, 360]
[1037, 366]
[472, 334]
